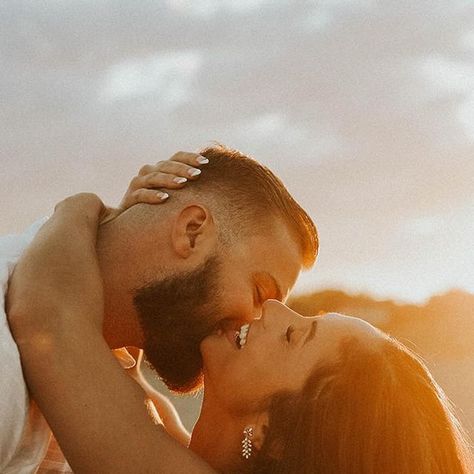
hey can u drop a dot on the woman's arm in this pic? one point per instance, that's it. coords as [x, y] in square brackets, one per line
[96, 411]
[166, 410]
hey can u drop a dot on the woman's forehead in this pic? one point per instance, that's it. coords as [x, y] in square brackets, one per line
[335, 327]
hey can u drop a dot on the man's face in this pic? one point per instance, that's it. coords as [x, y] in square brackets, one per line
[177, 313]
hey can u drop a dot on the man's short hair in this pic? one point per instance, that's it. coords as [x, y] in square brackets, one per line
[250, 195]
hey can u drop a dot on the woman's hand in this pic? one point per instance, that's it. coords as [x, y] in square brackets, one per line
[149, 185]
[171, 174]
[43, 279]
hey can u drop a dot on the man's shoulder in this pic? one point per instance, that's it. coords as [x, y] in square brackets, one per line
[23, 430]
[24, 433]
[14, 399]
[13, 394]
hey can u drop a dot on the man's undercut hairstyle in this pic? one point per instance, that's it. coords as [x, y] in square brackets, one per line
[245, 199]
[251, 197]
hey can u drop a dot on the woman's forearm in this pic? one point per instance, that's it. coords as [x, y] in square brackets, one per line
[59, 265]
[96, 411]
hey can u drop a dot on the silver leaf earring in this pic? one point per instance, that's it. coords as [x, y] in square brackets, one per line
[247, 442]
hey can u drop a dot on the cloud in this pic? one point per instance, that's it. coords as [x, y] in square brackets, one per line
[211, 8]
[364, 108]
[166, 76]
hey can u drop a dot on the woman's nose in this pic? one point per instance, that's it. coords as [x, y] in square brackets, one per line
[275, 309]
[272, 307]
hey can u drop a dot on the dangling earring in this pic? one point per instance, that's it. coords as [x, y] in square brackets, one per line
[247, 442]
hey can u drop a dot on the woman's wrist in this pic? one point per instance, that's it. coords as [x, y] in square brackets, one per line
[84, 212]
[60, 264]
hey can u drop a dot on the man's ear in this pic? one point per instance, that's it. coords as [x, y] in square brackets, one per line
[193, 231]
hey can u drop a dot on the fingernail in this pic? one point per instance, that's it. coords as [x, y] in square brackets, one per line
[178, 180]
[202, 160]
[163, 196]
[194, 172]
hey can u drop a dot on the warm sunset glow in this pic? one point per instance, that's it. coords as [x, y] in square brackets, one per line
[365, 110]
[375, 141]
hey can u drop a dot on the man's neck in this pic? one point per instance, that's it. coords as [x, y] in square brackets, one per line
[120, 326]
[133, 252]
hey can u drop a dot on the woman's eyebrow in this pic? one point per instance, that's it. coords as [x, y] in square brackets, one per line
[311, 332]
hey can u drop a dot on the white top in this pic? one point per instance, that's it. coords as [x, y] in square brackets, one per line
[24, 433]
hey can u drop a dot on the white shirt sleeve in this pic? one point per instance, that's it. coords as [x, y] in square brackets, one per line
[24, 434]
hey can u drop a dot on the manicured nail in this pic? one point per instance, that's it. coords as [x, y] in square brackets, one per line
[179, 180]
[163, 196]
[202, 160]
[194, 172]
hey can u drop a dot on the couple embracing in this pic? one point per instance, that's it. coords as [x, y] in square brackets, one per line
[197, 277]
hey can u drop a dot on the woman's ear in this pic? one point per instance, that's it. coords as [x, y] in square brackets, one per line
[260, 429]
[193, 231]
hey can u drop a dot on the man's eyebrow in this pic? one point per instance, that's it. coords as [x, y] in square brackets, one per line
[312, 332]
[264, 278]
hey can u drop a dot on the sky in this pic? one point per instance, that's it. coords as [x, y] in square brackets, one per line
[364, 108]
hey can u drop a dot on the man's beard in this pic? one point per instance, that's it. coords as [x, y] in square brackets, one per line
[175, 315]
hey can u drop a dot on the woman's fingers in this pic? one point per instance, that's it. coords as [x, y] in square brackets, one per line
[158, 180]
[174, 168]
[172, 174]
[190, 162]
[138, 193]
[146, 196]
[189, 158]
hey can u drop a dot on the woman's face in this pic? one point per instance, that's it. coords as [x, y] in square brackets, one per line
[281, 350]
